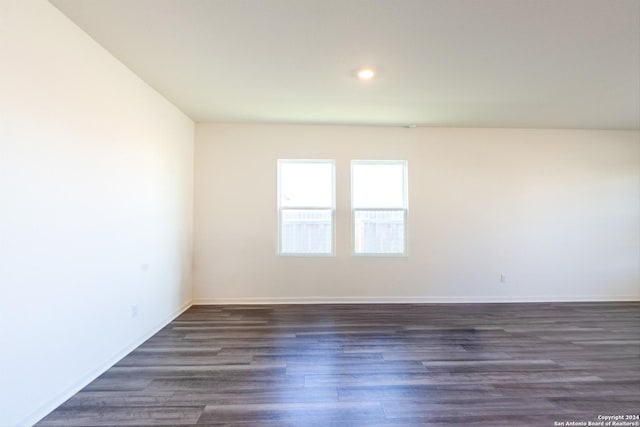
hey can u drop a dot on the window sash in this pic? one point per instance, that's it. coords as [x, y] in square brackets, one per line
[303, 234]
[362, 168]
[371, 242]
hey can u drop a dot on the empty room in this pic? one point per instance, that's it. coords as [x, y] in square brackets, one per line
[319, 213]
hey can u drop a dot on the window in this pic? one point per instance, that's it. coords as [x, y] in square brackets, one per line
[306, 207]
[379, 207]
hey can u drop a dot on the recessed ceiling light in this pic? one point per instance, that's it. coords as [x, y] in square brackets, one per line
[366, 73]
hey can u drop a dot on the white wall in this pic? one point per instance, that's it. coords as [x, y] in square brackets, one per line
[96, 180]
[556, 211]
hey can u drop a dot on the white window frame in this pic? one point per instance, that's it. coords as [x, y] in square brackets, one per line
[405, 210]
[332, 209]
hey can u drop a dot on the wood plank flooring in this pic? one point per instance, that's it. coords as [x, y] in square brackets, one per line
[374, 365]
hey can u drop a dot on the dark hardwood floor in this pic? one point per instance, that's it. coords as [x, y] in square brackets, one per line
[374, 365]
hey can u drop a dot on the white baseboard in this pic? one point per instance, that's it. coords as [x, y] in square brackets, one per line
[88, 377]
[408, 300]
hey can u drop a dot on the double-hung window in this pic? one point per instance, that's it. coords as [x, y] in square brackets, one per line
[379, 207]
[306, 207]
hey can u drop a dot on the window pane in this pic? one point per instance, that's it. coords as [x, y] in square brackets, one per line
[306, 184]
[379, 231]
[306, 231]
[378, 185]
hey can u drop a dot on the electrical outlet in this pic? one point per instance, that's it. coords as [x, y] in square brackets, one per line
[134, 311]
